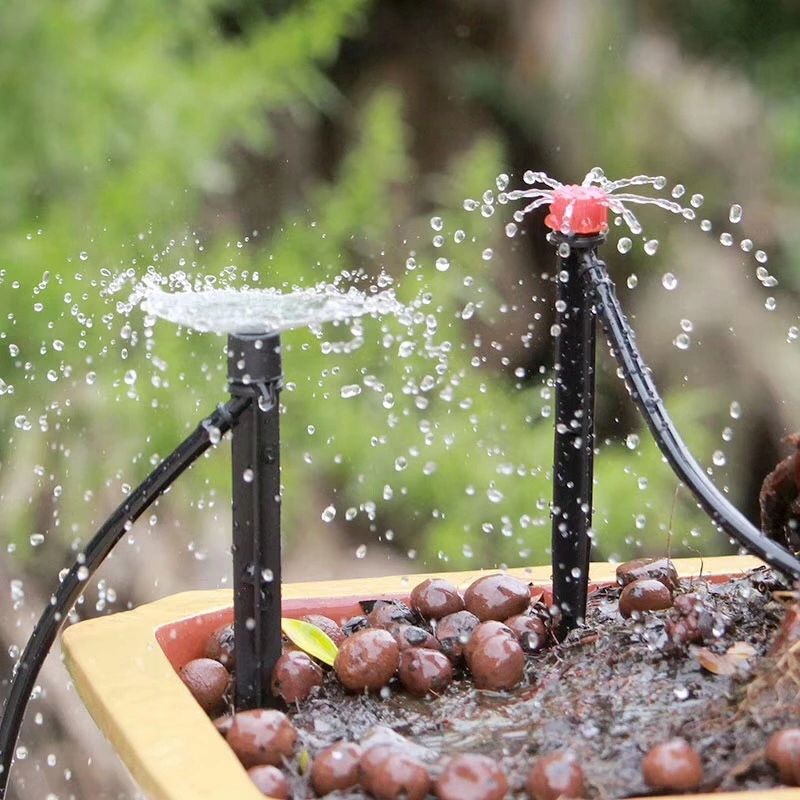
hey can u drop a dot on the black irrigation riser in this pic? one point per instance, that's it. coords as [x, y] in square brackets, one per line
[573, 461]
[254, 372]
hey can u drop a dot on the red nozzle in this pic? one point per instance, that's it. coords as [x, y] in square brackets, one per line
[578, 209]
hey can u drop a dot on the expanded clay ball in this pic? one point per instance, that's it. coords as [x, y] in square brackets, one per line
[367, 660]
[294, 676]
[496, 597]
[435, 598]
[262, 736]
[207, 680]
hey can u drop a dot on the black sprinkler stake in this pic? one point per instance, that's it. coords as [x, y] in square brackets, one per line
[254, 372]
[574, 432]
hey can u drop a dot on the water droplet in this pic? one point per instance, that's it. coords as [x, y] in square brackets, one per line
[442, 264]
[351, 390]
[633, 281]
[651, 247]
[459, 236]
[726, 239]
[470, 205]
[361, 551]
[329, 514]
[494, 495]
[487, 254]
[682, 341]
[680, 692]
[248, 475]
[83, 255]
[438, 240]
[669, 281]
[632, 441]
[770, 304]
[36, 539]
[214, 434]
[687, 325]
[437, 223]
[761, 257]
[696, 200]
[735, 213]
[564, 250]
[718, 458]
[705, 225]
[678, 190]
[130, 377]
[624, 244]
[735, 410]
[746, 245]
[511, 230]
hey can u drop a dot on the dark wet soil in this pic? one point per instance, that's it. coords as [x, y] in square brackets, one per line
[610, 692]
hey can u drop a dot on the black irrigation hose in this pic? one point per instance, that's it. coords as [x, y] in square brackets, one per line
[71, 588]
[646, 396]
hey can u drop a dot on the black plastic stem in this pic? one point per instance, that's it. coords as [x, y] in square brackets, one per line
[574, 435]
[76, 580]
[646, 396]
[254, 371]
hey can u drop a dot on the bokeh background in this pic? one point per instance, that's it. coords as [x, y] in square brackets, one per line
[294, 140]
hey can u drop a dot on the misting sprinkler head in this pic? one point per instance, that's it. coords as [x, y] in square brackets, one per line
[578, 210]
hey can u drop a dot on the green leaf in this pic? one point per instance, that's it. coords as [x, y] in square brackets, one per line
[310, 639]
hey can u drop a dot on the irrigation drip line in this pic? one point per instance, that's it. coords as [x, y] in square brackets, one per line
[74, 583]
[647, 399]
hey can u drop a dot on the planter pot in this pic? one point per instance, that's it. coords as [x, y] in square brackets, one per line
[124, 668]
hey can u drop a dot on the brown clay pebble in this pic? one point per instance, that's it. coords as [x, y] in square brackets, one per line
[262, 736]
[207, 680]
[484, 631]
[435, 598]
[556, 775]
[496, 597]
[783, 752]
[422, 671]
[531, 631]
[496, 661]
[388, 612]
[294, 676]
[270, 781]
[471, 777]
[326, 625]
[661, 569]
[220, 646]
[673, 766]
[388, 773]
[454, 631]
[223, 723]
[367, 660]
[645, 594]
[411, 636]
[336, 768]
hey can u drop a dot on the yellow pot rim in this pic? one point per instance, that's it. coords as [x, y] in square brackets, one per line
[170, 746]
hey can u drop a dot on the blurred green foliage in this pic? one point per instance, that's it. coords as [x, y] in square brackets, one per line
[122, 131]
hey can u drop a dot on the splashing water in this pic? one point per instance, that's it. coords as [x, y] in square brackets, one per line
[265, 310]
[584, 209]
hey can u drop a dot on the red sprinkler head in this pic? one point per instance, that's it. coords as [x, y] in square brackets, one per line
[578, 209]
